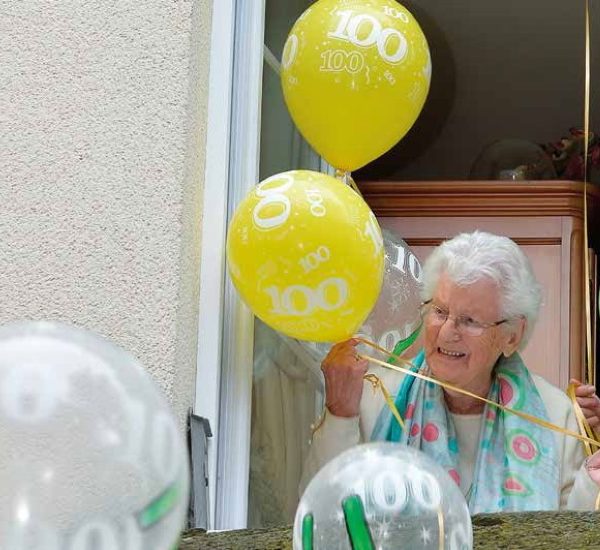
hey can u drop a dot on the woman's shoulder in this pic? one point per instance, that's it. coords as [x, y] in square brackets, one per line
[556, 400]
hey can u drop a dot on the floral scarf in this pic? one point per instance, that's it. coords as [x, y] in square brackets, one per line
[516, 467]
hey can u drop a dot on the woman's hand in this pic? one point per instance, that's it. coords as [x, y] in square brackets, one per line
[589, 402]
[592, 465]
[344, 371]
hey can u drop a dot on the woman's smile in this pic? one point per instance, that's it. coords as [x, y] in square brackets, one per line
[450, 354]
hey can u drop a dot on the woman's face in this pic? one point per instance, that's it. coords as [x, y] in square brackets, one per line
[457, 357]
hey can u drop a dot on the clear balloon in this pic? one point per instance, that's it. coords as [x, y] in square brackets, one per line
[394, 322]
[385, 496]
[305, 253]
[92, 455]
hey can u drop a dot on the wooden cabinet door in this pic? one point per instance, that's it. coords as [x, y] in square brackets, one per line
[545, 218]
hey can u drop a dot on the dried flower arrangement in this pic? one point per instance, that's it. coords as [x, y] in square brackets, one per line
[567, 154]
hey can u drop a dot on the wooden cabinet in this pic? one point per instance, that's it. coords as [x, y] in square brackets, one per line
[545, 218]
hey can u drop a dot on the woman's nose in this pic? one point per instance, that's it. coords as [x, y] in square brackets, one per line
[449, 329]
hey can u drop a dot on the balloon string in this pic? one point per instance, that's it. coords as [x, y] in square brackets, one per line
[584, 425]
[442, 535]
[379, 385]
[345, 177]
[352, 184]
[591, 371]
[450, 387]
[586, 99]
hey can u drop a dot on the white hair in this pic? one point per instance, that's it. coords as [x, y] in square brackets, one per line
[470, 257]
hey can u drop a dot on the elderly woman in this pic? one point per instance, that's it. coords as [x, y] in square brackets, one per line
[481, 301]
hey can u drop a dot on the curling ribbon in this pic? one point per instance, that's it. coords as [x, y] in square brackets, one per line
[540, 422]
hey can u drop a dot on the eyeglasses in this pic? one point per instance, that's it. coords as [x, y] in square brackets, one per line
[436, 316]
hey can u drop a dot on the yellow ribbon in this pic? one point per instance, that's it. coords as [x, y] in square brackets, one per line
[379, 385]
[442, 535]
[587, 436]
[530, 418]
[346, 177]
[591, 371]
[584, 426]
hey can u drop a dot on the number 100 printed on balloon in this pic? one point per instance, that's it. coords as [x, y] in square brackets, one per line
[382, 496]
[305, 253]
[313, 259]
[363, 29]
[303, 300]
[393, 490]
[413, 263]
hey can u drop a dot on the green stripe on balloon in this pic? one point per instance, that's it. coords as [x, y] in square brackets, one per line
[402, 345]
[159, 507]
[356, 524]
[308, 523]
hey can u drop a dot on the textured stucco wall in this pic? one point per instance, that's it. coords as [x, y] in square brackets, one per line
[102, 125]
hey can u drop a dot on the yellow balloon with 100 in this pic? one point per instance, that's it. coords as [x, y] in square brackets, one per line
[305, 253]
[355, 75]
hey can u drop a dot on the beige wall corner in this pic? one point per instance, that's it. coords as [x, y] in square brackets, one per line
[191, 219]
[102, 111]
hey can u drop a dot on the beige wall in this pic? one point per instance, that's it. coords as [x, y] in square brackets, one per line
[102, 128]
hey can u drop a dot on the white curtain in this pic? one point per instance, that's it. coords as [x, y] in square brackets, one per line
[287, 397]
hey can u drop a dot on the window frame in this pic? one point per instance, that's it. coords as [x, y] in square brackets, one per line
[226, 326]
[223, 392]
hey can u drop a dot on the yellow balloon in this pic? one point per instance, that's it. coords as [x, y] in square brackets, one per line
[305, 252]
[355, 75]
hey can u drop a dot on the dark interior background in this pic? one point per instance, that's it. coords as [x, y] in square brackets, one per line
[512, 69]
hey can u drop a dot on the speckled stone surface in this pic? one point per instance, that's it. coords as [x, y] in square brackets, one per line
[527, 531]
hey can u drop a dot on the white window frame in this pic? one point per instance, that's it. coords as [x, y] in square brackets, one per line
[214, 223]
[226, 326]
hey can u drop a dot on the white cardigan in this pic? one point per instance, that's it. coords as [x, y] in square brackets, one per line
[336, 434]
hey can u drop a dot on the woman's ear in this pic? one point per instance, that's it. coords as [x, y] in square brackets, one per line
[515, 335]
